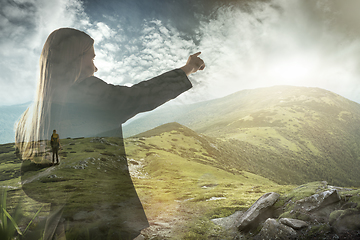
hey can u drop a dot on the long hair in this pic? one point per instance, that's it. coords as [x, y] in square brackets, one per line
[60, 67]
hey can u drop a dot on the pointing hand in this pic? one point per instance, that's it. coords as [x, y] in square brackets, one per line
[193, 64]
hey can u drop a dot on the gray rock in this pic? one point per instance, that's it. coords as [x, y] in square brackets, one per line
[318, 200]
[258, 212]
[293, 223]
[162, 224]
[275, 230]
[345, 220]
[228, 222]
[349, 205]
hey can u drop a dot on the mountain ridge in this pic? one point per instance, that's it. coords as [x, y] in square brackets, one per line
[289, 135]
[185, 114]
[8, 116]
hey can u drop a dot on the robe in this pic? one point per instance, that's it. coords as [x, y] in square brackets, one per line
[94, 109]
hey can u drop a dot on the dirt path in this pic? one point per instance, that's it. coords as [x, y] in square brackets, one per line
[168, 223]
[171, 216]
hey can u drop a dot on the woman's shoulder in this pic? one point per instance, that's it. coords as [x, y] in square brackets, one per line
[88, 86]
[89, 82]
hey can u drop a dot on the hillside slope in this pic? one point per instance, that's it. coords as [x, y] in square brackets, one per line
[174, 171]
[176, 139]
[288, 134]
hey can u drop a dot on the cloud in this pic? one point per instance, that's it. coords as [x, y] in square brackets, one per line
[245, 44]
[278, 43]
[158, 48]
[100, 32]
[24, 26]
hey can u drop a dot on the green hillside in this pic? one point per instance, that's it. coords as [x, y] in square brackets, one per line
[177, 175]
[183, 180]
[237, 148]
[186, 174]
[288, 134]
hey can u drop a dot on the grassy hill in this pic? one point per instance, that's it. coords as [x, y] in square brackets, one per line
[176, 173]
[237, 148]
[186, 173]
[288, 134]
[183, 179]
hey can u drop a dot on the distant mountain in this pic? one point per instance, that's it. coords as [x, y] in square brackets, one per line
[220, 112]
[185, 143]
[8, 116]
[287, 134]
[290, 135]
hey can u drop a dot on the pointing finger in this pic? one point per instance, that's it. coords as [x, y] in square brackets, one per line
[196, 54]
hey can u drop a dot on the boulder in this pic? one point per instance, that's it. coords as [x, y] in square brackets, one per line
[318, 200]
[275, 230]
[345, 220]
[228, 222]
[258, 212]
[349, 205]
[293, 223]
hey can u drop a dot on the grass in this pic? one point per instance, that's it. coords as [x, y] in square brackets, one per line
[191, 189]
[9, 223]
[293, 135]
[177, 175]
[183, 180]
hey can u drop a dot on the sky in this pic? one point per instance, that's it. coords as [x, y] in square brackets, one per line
[245, 44]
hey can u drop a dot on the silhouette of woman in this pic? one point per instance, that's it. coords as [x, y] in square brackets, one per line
[72, 100]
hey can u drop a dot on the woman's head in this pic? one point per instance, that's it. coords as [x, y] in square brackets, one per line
[88, 67]
[62, 56]
[67, 56]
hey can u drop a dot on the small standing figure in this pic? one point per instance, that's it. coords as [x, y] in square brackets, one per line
[55, 145]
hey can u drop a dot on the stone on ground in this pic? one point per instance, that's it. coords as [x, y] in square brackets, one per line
[258, 212]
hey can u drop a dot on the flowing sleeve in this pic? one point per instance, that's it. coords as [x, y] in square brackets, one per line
[125, 102]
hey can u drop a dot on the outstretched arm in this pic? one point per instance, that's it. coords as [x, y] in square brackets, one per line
[193, 64]
[117, 104]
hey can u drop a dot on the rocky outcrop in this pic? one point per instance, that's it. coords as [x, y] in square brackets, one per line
[326, 211]
[228, 222]
[273, 229]
[293, 223]
[258, 212]
[318, 200]
[345, 220]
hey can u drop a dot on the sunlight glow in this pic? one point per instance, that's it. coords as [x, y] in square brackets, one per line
[295, 70]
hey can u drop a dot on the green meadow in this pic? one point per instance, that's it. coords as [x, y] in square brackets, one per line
[238, 148]
[176, 179]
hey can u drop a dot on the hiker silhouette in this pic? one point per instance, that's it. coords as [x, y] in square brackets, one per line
[77, 104]
[55, 145]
